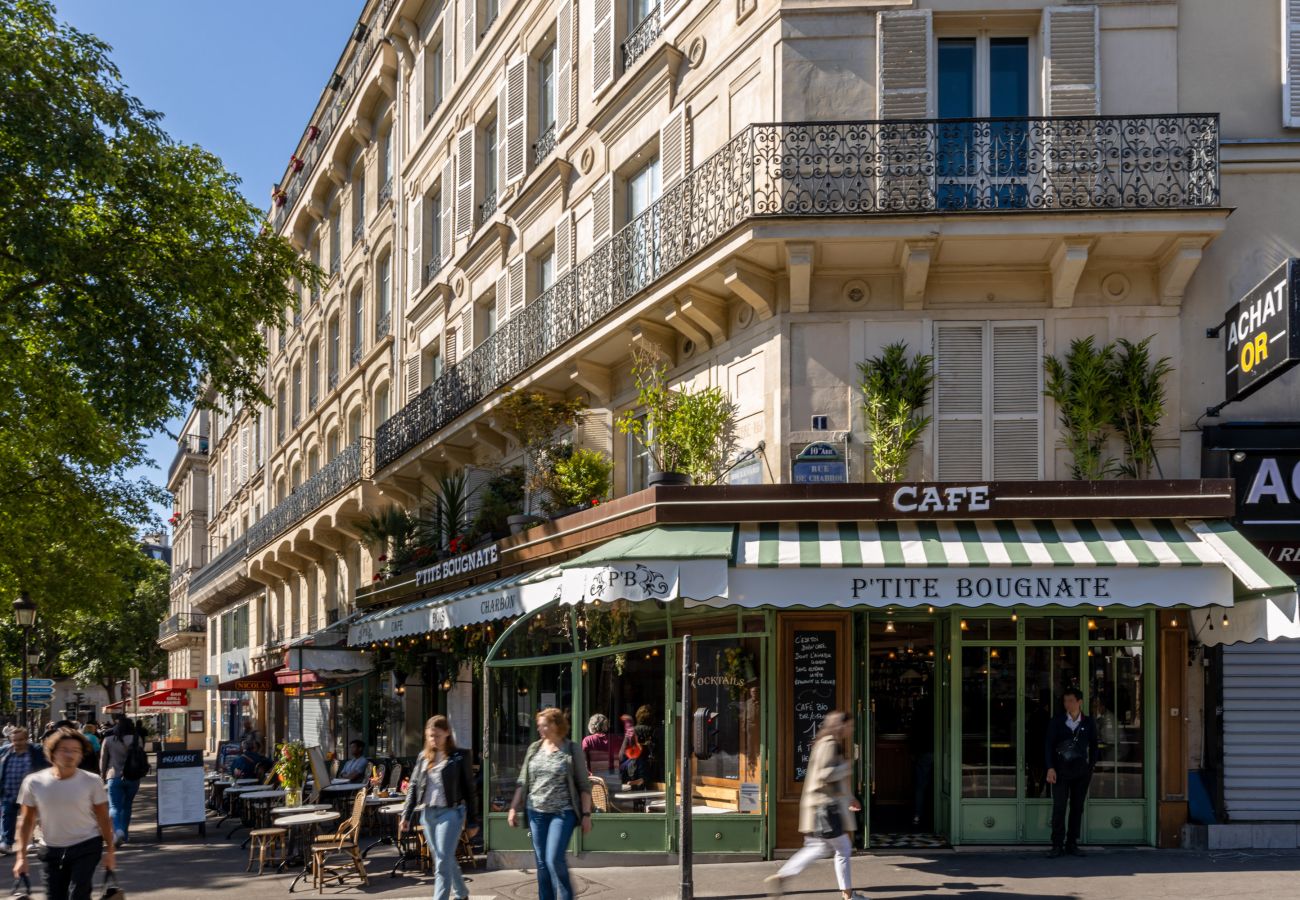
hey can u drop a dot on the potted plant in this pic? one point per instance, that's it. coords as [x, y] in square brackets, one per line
[895, 389]
[1081, 384]
[536, 421]
[291, 769]
[503, 497]
[690, 434]
[1138, 386]
[578, 479]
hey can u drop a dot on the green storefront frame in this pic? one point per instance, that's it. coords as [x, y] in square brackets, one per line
[742, 834]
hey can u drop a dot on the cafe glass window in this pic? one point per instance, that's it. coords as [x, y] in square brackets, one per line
[1115, 702]
[625, 702]
[988, 716]
[1050, 669]
[516, 694]
[728, 686]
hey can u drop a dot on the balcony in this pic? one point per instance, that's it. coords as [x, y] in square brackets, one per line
[544, 146]
[183, 623]
[225, 561]
[383, 325]
[353, 463]
[196, 444]
[333, 381]
[642, 38]
[356, 356]
[838, 169]
[487, 207]
[274, 638]
[432, 268]
[334, 260]
[358, 231]
[386, 192]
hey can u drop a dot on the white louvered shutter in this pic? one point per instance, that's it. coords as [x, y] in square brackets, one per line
[670, 9]
[518, 285]
[674, 147]
[502, 299]
[465, 182]
[959, 401]
[417, 245]
[516, 120]
[602, 211]
[447, 201]
[245, 452]
[453, 344]
[468, 340]
[1017, 368]
[448, 57]
[413, 376]
[1070, 70]
[595, 431]
[417, 92]
[904, 81]
[565, 93]
[469, 33]
[476, 479]
[603, 46]
[564, 243]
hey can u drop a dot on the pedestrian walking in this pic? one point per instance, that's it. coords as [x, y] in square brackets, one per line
[118, 764]
[17, 761]
[71, 806]
[441, 789]
[89, 731]
[555, 791]
[826, 808]
[1071, 751]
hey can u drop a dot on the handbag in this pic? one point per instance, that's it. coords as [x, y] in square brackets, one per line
[111, 889]
[828, 821]
[1073, 755]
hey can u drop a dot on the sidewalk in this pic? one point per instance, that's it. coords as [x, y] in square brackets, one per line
[185, 865]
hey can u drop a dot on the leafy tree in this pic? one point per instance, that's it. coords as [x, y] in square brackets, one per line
[132, 271]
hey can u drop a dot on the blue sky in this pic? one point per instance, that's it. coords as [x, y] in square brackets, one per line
[238, 77]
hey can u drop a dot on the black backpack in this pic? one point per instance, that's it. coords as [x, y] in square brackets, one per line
[137, 764]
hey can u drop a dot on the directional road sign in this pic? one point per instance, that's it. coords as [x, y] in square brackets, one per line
[32, 682]
[32, 704]
[33, 689]
[18, 695]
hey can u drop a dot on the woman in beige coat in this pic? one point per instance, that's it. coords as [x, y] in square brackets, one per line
[828, 783]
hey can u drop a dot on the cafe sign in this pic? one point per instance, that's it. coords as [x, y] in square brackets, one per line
[457, 566]
[1262, 341]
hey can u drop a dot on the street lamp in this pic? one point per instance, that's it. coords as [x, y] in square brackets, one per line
[25, 613]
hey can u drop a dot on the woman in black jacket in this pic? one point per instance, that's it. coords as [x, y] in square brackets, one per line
[442, 790]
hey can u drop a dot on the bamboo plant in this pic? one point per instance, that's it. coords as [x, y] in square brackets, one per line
[1139, 390]
[895, 389]
[1081, 385]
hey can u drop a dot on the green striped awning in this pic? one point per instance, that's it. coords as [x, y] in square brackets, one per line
[1010, 543]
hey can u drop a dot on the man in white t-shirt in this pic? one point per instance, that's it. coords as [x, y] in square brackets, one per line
[71, 805]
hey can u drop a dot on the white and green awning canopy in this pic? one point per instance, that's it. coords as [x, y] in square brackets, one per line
[1023, 562]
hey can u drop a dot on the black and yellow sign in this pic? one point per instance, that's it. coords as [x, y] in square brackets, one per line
[1262, 340]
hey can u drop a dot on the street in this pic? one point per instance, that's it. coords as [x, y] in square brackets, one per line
[185, 864]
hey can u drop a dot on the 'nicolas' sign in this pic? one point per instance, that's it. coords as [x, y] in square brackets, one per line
[1262, 341]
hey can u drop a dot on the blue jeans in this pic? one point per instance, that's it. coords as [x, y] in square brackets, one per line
[442, 827]
[8, 820]
[121, 794]
[551, 833]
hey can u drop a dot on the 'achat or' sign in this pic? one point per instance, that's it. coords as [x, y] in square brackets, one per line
[1262, 339]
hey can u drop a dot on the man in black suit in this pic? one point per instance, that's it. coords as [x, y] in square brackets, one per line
[1071, 750]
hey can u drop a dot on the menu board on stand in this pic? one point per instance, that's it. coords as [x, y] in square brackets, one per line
[180, 790]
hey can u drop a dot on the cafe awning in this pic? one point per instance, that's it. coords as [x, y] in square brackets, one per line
[258, 681]
[165, 698]
[662, 563]
[498, 599]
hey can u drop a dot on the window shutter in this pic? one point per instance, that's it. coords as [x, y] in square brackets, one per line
[904, 86]
[465, 182]
[502, 149]
[448, 57]
[959, 401]
[603, 46]
[412, 377]
[674, 147]
[467, 337]
[516, 120]
[1017, 401]
[502, 299]
[602, 211]
[670, 9]
[476, 479]
[565, 95]
[417, 91]
[595, 432]
[564, 243]
[452, 342]
[470, 31]
[245, 450]
[518, 285]
[1070, 83]
[417, 245]
[447, 202]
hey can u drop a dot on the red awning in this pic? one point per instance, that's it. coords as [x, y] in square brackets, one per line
[165, 699]
[289, 678]
[176, 684]
[115, 707]
[258, 681]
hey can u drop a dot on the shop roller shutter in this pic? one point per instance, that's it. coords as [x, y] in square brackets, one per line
[1261, 731]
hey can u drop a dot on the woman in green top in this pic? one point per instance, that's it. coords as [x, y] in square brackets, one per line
[553, 784]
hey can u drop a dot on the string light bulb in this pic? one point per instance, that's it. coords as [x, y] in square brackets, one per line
[889, 627]
[1226, 623]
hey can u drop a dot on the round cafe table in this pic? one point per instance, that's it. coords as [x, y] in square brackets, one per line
[301, 808]
[297, 824]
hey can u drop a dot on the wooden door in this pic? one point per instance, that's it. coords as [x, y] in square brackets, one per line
[814, 650]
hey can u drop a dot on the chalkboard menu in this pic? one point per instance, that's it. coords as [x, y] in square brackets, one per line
[815, 671]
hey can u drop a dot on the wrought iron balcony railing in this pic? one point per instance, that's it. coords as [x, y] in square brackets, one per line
[356, 356]
[274, 638]
[831, 169]
[333, 381]
[431, 270]
[487, 207]
[354, 462]
[383, 324]
[188, 443]
[225, 561]
[642, 38]
[183, 623]
[386, 192]
[358, 229]
[545, 145]
[334, 261]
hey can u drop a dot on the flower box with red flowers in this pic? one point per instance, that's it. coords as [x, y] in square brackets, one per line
[295, 164]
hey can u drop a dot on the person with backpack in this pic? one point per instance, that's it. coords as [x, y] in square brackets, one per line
[122, 763]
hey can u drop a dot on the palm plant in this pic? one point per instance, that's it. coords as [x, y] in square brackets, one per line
[1139, 392]
[1081, 385]
[895, 389]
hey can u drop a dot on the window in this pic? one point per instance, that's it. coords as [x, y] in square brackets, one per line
[385, 299]
[988, 401]
[336, 241]
[433, 248]
[546, 90]
[313, 462]
[517, 694]
[545, 272]
[489, 136]
[385, 165]
[358, 199]
[297, 394]
[334, 350]
[640, 465]
[381, 405]
[491, 8]
[332, 444]
[983, 164]
[313, 375]
[281, 413]
[433, 87]
[358, 318]
[295, 476]
[643, 189]
[430, 365]
[354, 425]
[727, 683]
